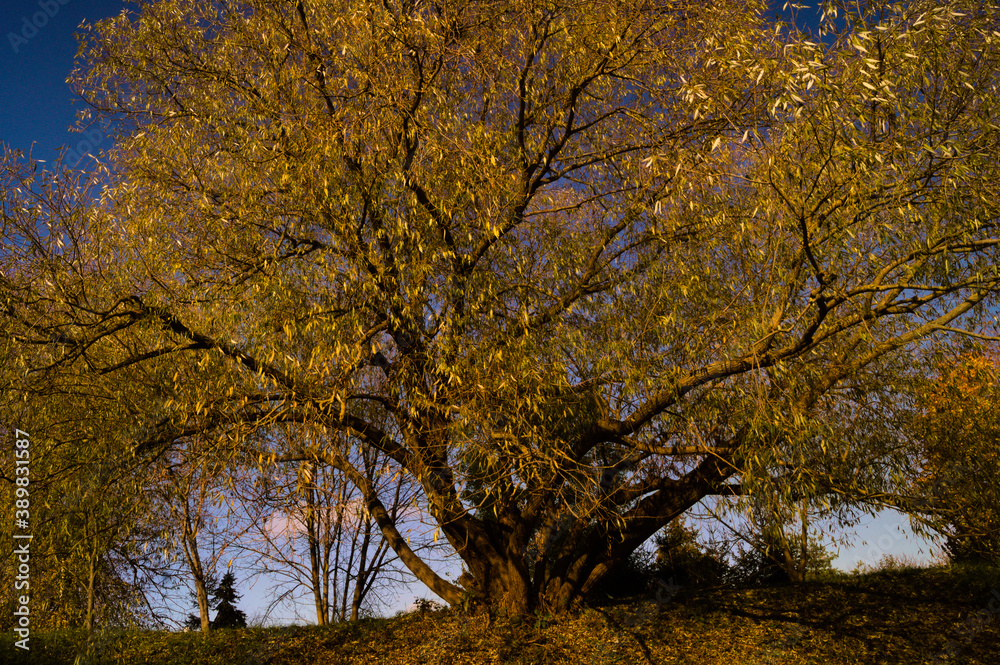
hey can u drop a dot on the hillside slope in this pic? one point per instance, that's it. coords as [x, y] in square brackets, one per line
[895, 618]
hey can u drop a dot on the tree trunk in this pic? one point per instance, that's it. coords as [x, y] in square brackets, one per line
[91, 579]
[202, 593]
[804, 558]
[794, 569]
[199, 587]
[197, 572]
[494, 551]
[502, 586]
[360, 578]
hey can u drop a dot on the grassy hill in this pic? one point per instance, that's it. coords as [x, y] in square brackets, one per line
[937, 615]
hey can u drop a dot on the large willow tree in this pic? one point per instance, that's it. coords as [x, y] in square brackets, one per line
[572, 265]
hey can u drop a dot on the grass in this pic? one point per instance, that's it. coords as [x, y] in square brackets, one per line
[897, 617]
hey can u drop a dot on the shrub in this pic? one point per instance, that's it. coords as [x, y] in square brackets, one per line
[684, 561]
[764, 565]
[893, 563]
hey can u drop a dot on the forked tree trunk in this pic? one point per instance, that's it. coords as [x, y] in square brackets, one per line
[317, 570]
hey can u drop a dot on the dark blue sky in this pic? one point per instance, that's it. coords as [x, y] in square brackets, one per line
[36, 56]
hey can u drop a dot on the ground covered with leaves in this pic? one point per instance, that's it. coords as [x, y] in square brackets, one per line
[894, 617]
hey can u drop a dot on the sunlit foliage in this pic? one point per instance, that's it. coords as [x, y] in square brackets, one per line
[572, 265]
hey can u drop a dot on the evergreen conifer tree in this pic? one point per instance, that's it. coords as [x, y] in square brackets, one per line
[225, 597]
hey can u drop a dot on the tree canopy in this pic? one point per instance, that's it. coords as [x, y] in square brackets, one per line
[570, 265]
[956, 479]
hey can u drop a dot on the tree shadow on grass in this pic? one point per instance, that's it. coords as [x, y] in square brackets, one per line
[900, 612]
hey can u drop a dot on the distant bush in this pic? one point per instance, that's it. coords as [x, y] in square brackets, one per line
[765, 565]
[682, 559]
[425, 605]
[679, 560]
[891, 563]
[684, 562]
